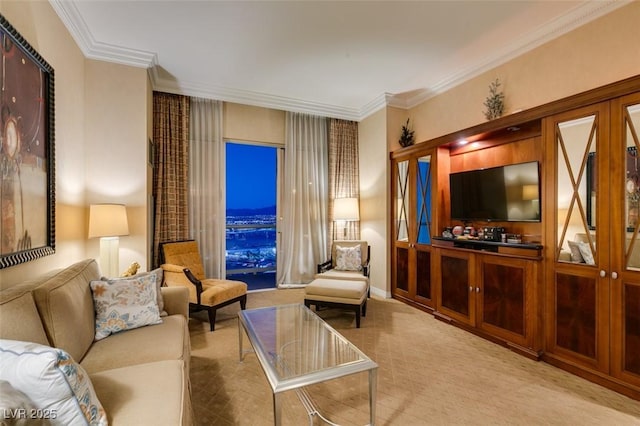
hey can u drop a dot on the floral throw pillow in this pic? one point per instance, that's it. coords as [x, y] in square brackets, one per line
[348, 258]
[58, 386]
[124, 304]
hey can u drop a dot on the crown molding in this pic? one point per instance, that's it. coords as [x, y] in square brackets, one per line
[92, 49]
[247, 97]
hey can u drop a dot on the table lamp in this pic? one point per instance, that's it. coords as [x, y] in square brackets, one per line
[346, 210]
[109, 222]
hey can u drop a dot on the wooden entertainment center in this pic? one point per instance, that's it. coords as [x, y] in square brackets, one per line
[568, 293]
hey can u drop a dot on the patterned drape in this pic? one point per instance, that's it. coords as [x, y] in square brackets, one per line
[171, 171]
[344, 174]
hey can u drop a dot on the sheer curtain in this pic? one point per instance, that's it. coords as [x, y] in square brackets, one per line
[207, 215]
[170, 172]
[344, 173]
[304, 209]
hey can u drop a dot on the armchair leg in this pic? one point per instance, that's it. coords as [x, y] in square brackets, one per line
[243, 302]
[212, 318]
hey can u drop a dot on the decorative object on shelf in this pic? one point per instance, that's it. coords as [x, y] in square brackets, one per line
[131, 270]
[406, 137]
[494, 102]
[447, 232]
[458, 230]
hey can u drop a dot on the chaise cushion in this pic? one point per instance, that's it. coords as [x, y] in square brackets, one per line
[337, 291]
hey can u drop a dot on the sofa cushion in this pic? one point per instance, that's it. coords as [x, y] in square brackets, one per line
[155, 393]
[166, 341]
[65, 305]
[19, 318]
[52, 380]
[124, 304]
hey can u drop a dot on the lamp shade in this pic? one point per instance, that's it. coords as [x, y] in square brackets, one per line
[530, 192]
[108, 220]
[346, 209]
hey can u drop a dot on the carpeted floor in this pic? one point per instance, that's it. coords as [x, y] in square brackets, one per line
[430, 373]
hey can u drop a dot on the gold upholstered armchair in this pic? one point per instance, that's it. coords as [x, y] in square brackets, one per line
[182, 266]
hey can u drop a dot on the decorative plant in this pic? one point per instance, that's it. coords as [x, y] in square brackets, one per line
[406, 137]
[494, 102]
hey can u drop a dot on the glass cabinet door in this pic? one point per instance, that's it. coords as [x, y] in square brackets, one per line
[424, 172]
[577, 287]
[401, 227]
[625, 275]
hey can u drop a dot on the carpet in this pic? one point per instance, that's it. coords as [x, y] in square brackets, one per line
[430, 373]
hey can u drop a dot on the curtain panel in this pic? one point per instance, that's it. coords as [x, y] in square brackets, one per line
[304, 209]
[207, 216]
[344, 176]
[170, 173]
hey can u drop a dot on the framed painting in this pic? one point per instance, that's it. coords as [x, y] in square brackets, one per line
[27, 162]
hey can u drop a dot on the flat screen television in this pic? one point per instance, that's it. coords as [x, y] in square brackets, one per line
[508, 193]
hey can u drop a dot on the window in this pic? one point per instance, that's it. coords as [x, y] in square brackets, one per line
[251, 194]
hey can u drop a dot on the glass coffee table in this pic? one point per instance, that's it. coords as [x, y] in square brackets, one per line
[296, 348]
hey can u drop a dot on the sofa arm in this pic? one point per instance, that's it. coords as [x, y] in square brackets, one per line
[176, 300]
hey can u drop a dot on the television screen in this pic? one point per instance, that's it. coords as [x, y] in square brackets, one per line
[498, 194]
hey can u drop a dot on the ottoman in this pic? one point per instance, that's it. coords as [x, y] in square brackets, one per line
[332, 293]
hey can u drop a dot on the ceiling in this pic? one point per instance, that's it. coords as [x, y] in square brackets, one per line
[343, 59]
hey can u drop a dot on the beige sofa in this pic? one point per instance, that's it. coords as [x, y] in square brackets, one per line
[140, 376]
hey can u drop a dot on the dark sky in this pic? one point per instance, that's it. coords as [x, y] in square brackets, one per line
[251, 176]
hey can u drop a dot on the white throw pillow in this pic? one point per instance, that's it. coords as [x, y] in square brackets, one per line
[576, 255]
[587, 255]
[58, 386]
[124, 304]
[348, 258]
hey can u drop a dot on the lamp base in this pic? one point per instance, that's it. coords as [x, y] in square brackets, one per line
[109, 254]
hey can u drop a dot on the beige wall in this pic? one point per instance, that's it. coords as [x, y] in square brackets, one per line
[100, 132]
[253, 124]
[600, 52]
[116, 147]
[374, 181]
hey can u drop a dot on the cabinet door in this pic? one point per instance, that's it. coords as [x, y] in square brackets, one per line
[401, 204]
[577, 304]
[422, 223]
[412, 199]
[456, 287]
[625, 245]
[505, 297]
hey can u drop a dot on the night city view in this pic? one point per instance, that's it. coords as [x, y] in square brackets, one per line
[251, 215]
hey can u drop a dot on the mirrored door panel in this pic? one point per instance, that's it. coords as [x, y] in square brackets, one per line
[423, 217]
[631, 119]
[577, 189]
[402, 201]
